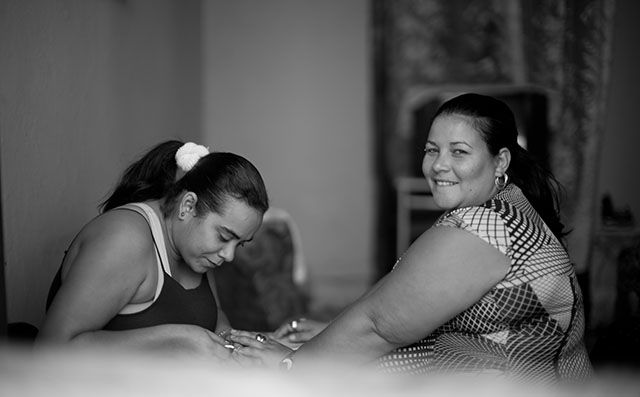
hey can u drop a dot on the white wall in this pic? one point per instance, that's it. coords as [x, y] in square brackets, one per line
[287, 84]
[85, 87]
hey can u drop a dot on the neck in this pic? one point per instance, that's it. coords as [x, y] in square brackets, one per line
[176, 263]
[172, 251]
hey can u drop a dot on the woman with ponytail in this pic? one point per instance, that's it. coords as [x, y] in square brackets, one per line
[138, 275]
[488, 289]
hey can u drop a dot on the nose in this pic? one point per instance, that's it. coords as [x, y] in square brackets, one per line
[435, 164]
[228, 252]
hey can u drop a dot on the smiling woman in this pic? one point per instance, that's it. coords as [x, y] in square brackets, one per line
[489, 289]
[138, 275]
[458, 165]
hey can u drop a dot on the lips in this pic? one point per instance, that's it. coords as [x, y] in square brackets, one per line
[441, 183]
[212, 263]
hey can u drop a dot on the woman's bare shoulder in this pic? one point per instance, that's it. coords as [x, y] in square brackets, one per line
[119, 225]
[453, 248]
[112, 258]
[117, 237]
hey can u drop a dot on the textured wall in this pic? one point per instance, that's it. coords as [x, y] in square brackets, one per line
[85, 87]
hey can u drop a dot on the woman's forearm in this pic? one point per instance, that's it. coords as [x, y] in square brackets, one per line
[352, 338]
[169, 338]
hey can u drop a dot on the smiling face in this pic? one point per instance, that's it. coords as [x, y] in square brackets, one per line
[458, 165]
[205, 242]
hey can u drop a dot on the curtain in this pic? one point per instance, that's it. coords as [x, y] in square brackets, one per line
[561, 47]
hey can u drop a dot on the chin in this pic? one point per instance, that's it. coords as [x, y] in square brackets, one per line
[443, 203]
[441, 199]
[200, 268]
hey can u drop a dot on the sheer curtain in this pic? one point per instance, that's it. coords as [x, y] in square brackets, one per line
[560, 47]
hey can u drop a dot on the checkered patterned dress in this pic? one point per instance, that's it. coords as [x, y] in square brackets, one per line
[530, 325]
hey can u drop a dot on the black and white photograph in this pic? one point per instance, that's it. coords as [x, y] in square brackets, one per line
[319, 198]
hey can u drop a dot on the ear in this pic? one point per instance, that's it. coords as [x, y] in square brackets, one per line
[187, 205]
[503, 159]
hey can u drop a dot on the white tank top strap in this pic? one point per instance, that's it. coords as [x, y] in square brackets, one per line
[161, 254]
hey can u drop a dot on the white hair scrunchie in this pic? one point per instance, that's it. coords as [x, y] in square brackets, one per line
[189, 154]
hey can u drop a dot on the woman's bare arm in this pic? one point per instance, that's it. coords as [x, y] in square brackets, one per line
[443, 273]
[111, 264]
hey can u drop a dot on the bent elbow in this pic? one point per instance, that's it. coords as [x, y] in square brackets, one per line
[390, 329]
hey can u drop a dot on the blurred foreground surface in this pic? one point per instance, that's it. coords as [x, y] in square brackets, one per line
[51, 373]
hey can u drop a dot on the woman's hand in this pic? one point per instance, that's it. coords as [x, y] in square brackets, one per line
[258, 348]
[191, 340]
[213, 344]
[298, 331]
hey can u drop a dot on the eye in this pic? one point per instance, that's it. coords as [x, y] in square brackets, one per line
[224, 238]
[459, 152]
[430, 150]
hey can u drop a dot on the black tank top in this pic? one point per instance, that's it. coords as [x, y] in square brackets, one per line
[173, 305]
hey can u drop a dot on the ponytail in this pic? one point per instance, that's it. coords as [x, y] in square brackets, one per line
[540, 187]
[213, 177]
[149, 178]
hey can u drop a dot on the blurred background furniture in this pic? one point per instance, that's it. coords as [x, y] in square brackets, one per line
[415, 210]
[264, 285]
[608, 273]
[613, 321]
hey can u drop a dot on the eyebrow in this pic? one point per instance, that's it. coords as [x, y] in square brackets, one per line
[452, 143]
[231, 232]
[234, 234]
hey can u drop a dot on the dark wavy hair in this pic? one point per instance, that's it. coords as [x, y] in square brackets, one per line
[215, 178]
[496, 124]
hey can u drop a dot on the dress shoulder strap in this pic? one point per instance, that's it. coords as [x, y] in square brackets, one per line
[161, 253]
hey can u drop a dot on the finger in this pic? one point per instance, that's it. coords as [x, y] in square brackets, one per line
[283, 330]
[224, 353]
[304, 327]
[310, 325]
[250, 351]
[216, 337]
[247, 340]
[248, 334]
[283, 339]
[300, 336]
[292, 326]
[223, 334]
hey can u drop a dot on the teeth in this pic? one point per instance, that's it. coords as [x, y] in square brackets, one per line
[444, 183]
